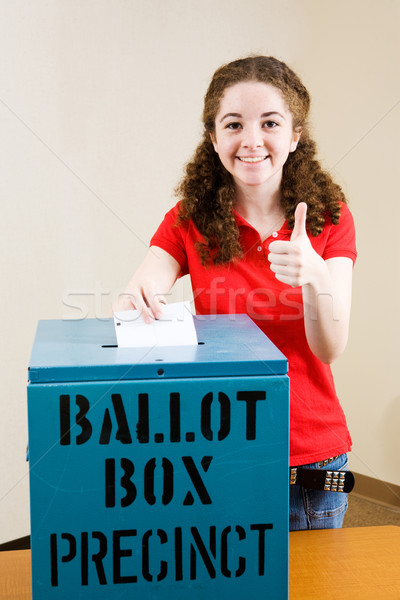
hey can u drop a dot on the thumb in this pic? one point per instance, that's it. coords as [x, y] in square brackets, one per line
[300, 216]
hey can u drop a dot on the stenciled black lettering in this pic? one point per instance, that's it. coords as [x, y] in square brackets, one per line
[149, 481]
[178, 554]
[261, 528]
[225, 404]
[197, 480]
[225, 416]
[100, 555]
[106, 428]
[65, 420]
[110, 482]
[205, 423]
[142, 428]
[224, 552]
[168, 481]
[70, 555]
[53, 560]
[123, 434]
[72, 547]
[251, 398]
[126, 482]
[86, 427]
[207, 560]
[84, 558]
[175, 417]
[146, 559]
[119, 553]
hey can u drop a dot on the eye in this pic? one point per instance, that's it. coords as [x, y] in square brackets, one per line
[270, 124]
[234, 125]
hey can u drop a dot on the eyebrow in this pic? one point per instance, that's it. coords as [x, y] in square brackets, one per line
[239, 116]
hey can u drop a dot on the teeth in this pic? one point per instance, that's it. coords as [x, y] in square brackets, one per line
[252, 159]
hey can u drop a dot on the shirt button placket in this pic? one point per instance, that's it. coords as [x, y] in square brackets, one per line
[260, 256]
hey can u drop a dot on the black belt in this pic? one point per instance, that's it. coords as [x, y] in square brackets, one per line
[321, 479]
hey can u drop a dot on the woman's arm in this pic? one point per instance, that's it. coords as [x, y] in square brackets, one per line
[326, 287]
[145, 291]
[327, 304]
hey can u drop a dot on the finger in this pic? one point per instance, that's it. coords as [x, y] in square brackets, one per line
[279, 247]
[157, 305]
[300, 218]
[293, 282]
[287, 274]
[134, 300]
[279, 259]
[285, 270]
[125, 301]
[154, 301]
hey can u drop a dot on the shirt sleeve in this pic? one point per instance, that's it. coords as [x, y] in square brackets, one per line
[170, 237]
[341, 240]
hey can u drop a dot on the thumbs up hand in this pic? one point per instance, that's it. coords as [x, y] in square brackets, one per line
[300, 217]
[295, 262]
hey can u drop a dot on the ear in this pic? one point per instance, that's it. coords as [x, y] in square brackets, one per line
[296, 137]
[214, 141]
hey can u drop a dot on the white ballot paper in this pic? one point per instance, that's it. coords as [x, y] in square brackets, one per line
[175, 328]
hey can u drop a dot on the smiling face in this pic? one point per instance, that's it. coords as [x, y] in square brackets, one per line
[254, 134]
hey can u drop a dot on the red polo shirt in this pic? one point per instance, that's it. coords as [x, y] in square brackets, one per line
[318, 427]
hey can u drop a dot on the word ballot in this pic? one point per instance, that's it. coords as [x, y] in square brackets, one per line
[158, 473]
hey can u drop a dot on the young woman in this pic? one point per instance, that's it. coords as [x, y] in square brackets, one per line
[263, 230]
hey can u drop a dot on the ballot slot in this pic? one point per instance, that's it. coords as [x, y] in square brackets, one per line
[116, 346]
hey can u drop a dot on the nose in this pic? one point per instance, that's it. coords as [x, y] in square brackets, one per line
[252, 137]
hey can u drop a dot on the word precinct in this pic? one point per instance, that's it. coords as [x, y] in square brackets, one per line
[129, 555]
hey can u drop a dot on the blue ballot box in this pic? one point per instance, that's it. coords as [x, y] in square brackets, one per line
[158, 473]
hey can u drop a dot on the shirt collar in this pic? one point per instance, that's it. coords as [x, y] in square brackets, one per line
[241, 222]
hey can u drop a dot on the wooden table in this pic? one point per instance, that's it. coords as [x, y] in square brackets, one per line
[361, 563]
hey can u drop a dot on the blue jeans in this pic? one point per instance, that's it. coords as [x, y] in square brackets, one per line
[314, 509]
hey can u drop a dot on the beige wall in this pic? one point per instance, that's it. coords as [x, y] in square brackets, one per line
[100, 106]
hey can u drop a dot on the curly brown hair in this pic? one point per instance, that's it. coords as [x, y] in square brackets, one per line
[207, 190]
